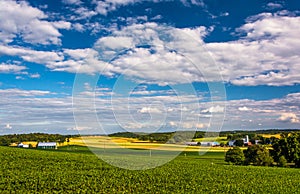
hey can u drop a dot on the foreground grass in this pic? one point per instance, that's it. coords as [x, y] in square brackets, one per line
[75, 170]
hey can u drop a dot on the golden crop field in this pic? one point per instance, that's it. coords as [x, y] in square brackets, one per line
[132, 143]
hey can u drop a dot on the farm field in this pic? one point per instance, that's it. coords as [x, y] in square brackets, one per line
[113, 142]
[74, 169]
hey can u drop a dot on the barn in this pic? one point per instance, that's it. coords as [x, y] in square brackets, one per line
[47, 145]
[21, 145]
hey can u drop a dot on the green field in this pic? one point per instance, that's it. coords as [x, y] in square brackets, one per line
[75, 169]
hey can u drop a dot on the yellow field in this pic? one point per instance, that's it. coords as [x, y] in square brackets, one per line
[218, 139]
[117, 142]
[270, 135]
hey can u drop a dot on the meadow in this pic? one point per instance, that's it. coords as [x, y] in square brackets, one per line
[74, 169]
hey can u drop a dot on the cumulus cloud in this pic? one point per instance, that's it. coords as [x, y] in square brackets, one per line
[10, 68]
[29, 55]
[267, 53]
[289, 117]
[21, 19]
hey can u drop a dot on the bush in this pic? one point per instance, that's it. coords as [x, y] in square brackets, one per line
[235, 156]
[282, 161]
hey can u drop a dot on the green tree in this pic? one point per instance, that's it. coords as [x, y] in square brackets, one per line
[289, 147]
[258, 156]
[235, 156]
[239, 142]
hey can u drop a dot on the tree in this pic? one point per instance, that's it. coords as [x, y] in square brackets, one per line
[239, 142]
[258, 156]
[235, 156]
[289, 147]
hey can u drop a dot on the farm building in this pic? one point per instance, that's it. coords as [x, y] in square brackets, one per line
[21, 145]
[192, 143]
[231, 143]
[210, 143]
[47, 145]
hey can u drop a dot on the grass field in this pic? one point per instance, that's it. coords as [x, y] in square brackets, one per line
[74, 169]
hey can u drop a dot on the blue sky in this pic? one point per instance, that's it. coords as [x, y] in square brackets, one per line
[69, 66]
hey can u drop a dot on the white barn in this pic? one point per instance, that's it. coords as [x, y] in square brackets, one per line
[47, 145]
[21, 145]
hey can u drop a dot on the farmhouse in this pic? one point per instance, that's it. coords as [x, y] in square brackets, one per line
[47, 145]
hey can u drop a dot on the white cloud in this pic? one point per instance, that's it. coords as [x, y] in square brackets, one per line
[22, 93]
[106, 6]
[103, 7]
[114, 43]
[72, 2]
[272, 6]
[289, 117]
[8, 126]
[214, 109]
[20, 19]
[41, 57]
[10, 68]
[193, 3]
[20, 78]
[244, 108]
[268, 54]
[149, 110]
[35, 75]
[82, 13]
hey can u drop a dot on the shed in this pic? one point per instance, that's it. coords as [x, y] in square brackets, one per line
[47, 145]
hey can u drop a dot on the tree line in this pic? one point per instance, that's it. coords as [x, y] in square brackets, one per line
[6, 140]
[284, 151]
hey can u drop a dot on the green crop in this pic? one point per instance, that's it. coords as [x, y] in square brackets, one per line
[77, 170]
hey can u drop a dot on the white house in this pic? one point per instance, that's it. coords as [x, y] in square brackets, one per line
[47, 145]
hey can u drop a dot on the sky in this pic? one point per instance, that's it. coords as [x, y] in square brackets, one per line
[75, 66]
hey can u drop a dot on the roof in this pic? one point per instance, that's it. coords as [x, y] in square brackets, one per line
[46, 144]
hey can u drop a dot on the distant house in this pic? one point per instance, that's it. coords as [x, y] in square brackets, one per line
[210, 143]
[21, 145]
[47, 145]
